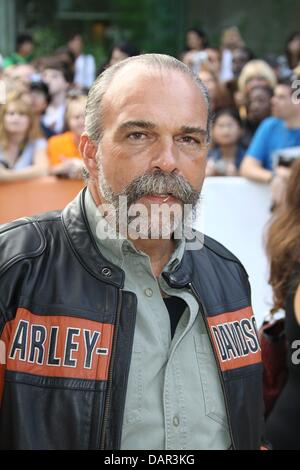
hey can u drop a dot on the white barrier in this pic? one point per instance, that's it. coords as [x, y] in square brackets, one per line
[235, 212]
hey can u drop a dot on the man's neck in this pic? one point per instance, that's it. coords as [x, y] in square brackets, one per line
[159, 252]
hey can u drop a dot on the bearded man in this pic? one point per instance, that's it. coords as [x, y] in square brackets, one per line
[123, 327]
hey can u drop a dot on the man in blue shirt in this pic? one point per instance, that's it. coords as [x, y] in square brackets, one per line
[277, 135]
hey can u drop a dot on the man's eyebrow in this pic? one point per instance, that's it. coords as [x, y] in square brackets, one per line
[148, 125]
[193, 130]
[141, 124]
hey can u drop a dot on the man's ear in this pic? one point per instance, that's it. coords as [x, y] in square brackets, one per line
[88, 150]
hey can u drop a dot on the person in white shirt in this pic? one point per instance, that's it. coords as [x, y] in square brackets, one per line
[85, 67]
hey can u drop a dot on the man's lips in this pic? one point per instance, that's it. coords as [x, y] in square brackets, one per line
[160, 198]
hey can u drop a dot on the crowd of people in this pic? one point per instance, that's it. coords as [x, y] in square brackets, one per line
[255, 122]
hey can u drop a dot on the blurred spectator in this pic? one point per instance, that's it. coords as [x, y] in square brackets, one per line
[195, 60]
[283, 248]
[64, 156]
[85, 67]
[293, 50]
[122, 51]
[194, 53]
[18, 77]
[274, 62]
[40, 100]
[219, 95]
[58, 78]
[277, 136]
[24, 50]
[291, 58]
[22, 149]
[39, 64]
[258, 108]
[231, 40]
[66, 56]
[213, 60]
[119, 52]
[196, 40]
[256, 73]
[240, 57]
[226, 154]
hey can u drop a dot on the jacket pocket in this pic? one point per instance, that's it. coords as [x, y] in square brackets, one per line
[49, 412]
[210, 381]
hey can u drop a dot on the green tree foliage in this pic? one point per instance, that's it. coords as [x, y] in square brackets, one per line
[154, 26]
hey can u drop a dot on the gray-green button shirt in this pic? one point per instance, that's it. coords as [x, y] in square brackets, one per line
[174, 398]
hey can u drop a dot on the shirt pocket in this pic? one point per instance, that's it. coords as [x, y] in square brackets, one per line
[134, 396]
[213, 396]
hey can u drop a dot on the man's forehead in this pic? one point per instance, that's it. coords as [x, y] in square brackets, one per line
[153, 87]
[133, 77]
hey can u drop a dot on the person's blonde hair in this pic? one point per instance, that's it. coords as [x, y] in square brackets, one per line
[256, 68]
[24, 107]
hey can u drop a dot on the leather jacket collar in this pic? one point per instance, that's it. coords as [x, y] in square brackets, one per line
[78, 232]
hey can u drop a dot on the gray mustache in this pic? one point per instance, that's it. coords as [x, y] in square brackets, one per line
[160, 182]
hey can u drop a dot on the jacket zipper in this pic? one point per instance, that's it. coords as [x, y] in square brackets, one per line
[110, 375]
[202, 308]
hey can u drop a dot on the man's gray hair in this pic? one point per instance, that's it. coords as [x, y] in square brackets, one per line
[93, 116]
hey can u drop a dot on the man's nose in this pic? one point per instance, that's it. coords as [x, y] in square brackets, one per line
[166, 156]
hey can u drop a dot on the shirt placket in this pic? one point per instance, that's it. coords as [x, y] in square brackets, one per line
[175, 407]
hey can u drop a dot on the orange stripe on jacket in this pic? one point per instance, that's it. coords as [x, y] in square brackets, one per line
[57, 346]
[235, 338]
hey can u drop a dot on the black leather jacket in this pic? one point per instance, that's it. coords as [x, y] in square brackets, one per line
[68, 327]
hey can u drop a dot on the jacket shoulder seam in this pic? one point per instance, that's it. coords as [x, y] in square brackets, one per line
[228, 255]
[28, 254]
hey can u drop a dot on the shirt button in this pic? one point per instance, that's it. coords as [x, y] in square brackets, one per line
[148, 292]
[176, 421]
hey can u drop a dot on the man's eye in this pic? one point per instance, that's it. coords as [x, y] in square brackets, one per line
[187, 139]
[136, 136]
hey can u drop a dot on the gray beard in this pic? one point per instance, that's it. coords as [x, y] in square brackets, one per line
[154, 183]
